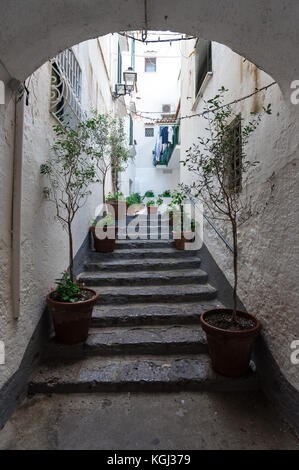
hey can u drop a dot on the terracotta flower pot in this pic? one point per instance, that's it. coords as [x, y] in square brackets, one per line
[230, 351]
[185, 237]
[118, 208]
[72, 320]
[152, 210]
[106, 245]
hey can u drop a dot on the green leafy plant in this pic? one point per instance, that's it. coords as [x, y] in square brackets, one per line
[218, 180]
[167, 193]
[107, 221]
[149, 193]
[178, 198]
[70, 173]
[106, 147]
[150, 203]
[134, 198]
[67, 289]
[115, 197]
[159, 201]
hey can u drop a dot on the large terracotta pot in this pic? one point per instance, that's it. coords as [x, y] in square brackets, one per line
[230, 351]
[106, 245]
[117, 208]
[72, 320]
[185, 237]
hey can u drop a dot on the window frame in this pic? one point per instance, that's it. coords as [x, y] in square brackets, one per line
[149, 129]
[152, 58]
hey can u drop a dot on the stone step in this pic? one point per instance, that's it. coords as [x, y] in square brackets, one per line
[141, 294]
[144, 237]
[116, 265]
[154, 340]
[135, 374]
[145, 278]
[150, 314]
[140, 244]
[142, 253]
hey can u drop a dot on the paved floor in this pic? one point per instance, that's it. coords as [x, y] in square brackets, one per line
[140, 421]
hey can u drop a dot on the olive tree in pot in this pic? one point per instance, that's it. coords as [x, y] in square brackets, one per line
[104, 234]
[220, 164]
[70, 173]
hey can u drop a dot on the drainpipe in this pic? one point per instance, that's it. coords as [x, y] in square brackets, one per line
[17, 201]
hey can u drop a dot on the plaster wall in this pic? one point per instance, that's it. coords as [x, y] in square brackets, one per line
[44, 246]
[153, 90]
[268, 264]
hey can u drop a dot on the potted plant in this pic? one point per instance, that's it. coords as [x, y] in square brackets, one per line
[151, 207]
[117, 205]
[159, 202]
[104, 234]
[148, 196]
[183, 230]
[70, 174]
[135, 204]
[220, 164]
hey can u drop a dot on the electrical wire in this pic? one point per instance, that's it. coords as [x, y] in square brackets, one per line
[141, 114]
[148, 41]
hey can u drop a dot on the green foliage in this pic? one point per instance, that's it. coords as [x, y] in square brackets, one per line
[134, 198]
[150, 203]
[115, 197]
[217, 182]
[67, 289]
[149, 193]
[159, 201]
[70, 173]
[107, 221]
[178, 198]
[167, 193]
[107, 146]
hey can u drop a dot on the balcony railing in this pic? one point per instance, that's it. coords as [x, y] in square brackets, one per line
[166, 155]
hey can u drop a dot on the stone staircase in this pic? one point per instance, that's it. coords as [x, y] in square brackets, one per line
[145, 333]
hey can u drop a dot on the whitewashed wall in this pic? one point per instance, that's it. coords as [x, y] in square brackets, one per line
[44, 249]
[153, 90]
[269, 240]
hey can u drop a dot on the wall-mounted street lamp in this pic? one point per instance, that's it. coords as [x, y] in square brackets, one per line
[121, 89]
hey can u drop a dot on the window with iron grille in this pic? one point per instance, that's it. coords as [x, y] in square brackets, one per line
[234, 166]
[66, 88]
[150, 64]
[149, 132]
[203, 62]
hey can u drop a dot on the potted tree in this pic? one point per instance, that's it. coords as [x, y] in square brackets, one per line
[148, 196]
[220, 164]
[151, 207]
[117, 205]
[183, 230]
[135, 204]
[70, 174]
[104, 234]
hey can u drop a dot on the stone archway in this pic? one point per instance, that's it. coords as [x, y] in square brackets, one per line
[261, 32]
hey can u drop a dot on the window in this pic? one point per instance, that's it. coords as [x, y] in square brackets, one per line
[203, 62]
[66, 88]
[234, 166]
[149, 132]
[150, 64]
[166, 108]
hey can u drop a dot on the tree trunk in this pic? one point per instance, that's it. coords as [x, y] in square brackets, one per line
[235, 238]
[103, 189]
[71, 256]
